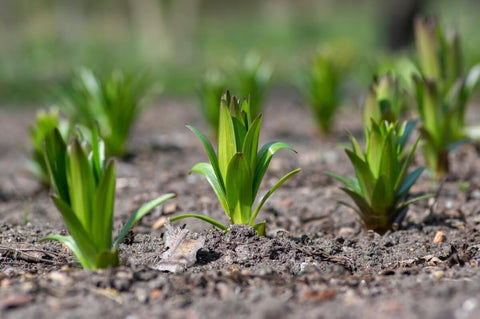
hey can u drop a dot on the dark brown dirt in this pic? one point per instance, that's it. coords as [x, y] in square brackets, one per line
[315, 262]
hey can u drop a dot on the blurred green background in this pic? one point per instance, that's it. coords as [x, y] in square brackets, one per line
[43, 41]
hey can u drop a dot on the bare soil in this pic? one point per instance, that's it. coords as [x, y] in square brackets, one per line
[315, 262]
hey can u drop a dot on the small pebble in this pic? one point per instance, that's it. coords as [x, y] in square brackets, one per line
[159, 222]
[438, 274]
[170, 208]
[439, 237]
[287, 202]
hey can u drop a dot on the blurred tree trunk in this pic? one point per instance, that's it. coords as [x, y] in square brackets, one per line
[70, 17]
[397, 18]
[184, 15]
[166, 28]
[150, 22]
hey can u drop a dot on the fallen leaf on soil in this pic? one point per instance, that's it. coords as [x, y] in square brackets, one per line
[159, 223]
[182, 249]
[14, 301]
[439, 237]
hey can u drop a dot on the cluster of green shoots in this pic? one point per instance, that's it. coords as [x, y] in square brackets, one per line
[84, 184]
[213, 86]
[45, 123]
[321, 85]
[237, 169]
[443, 90]
[84, 180]
[382, 181]
[385, 101]
[114, 103]
[250, 79]
[253, 78]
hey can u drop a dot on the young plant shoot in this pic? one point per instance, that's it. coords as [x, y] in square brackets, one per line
[385, 101]
[84, 185]
[236, 171]
[443, 90]
[382, 181]
[253, 79]
[322, 90]
[114, 103]
[45, 123]
[212, 88]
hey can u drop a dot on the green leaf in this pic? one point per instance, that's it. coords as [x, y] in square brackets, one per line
[211, 155]
[405, 165]
[409, 180]
[206, 170]
[433, 117]
[142, 211]
[103, 207]
[76, 230]
[406, 131]
[346, 181]
[260, 228]
[270, 192]
[389, 160]
[364, 175]
[356, 147]
[363, 206]
[55, 157]
[81, 184]
[413, 200]
[428, 47]
[97, 160]
[472, 80]
[240, 129]
[371, 111]
[264, 157]
[107, 258]
[374, 149]
[239, 189]
[250, 145]
[202, 217]
[226, 139]
[72, 245]
[382, 198]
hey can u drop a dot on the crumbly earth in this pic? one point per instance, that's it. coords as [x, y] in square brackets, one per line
[315, 262]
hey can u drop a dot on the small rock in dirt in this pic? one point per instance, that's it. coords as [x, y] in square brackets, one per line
[182, 249]
[60, 278]
[438, 274]
[155, 293]
[170, 209]
[319, 295]
[122, 281]
[142, 295]
[14, 301]
[159, 223]
[286, 203]
[224, 291]
[439, 237]
[475, 194]
[243, 253]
